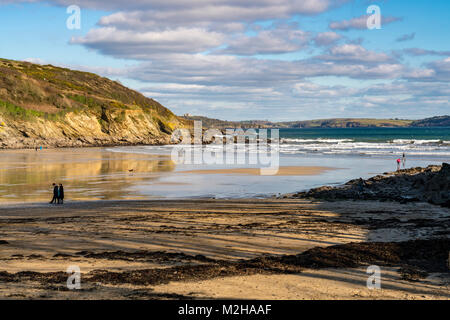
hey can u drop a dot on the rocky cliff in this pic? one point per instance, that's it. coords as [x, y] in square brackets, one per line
[57, 107]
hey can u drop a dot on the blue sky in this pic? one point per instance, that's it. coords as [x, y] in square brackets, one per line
[266, 59]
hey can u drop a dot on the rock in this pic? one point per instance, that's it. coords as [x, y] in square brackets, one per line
[430, 184]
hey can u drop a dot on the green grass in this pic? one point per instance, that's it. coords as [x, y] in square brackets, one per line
[121, 117]
[17, 112]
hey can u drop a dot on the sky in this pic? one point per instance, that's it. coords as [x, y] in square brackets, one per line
[278, 60]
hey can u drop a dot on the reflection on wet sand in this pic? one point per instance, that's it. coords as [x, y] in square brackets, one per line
[87, 174]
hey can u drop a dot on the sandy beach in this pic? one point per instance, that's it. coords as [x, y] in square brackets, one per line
[238, 249]
[224, 150]
[282, 171]
[128, 246]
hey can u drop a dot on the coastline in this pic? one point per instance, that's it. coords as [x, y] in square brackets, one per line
[160, 142]
[297, 246]
[27, 143]
[143, 173]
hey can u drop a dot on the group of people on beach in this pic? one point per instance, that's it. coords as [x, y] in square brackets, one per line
[401, 161]
[58, 194]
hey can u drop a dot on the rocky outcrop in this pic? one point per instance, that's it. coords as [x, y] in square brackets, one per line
[44, 105]
[82, 130]
[430, 184]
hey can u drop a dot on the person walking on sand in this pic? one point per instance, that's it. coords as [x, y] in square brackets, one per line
[398, 164]
[55, 193]
[61, 194]
[404, 160]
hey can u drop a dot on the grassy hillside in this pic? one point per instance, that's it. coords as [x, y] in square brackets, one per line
[48, 105]
[350, 123]
[324, 123]
[443, 121]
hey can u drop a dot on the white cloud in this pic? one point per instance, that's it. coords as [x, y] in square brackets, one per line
[441, 69]
[355, 53]
[425, 52]
[261, 6]
[139, 45]
[359, 23]
[326, 38]
[35, 60]
[279, 40]
[308, 89]
[406, 37]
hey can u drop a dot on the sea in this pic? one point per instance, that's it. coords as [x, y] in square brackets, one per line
[150, 172]
[351, 152]
[416, 142]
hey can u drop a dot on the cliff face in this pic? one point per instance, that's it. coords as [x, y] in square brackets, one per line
[82, 129]
[58, 107]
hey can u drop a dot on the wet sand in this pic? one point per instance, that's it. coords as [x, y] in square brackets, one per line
[282, 171]
[251, 248]
[101, 174]
[87, 173]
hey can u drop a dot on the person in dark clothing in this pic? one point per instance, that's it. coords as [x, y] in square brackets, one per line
[61, 194]
[55, 193]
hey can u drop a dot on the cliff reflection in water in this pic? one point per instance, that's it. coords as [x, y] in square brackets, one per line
[87, 174]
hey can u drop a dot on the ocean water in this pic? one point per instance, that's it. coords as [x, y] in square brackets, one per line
[416, 142]
[149, 172]
[353, 152]
[426, 143]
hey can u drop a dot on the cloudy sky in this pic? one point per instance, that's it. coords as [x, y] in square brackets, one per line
[256, 59]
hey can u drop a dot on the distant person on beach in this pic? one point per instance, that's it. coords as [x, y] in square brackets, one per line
[61, 194]
[55, 193]
[398, 164]
[404, 160]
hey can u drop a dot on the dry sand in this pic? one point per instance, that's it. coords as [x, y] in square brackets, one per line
[202, 248]
[325, 284]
